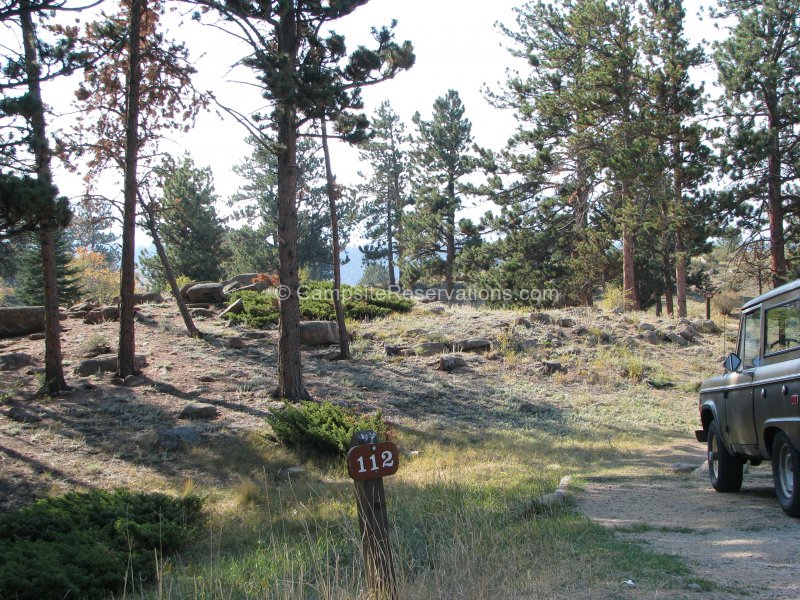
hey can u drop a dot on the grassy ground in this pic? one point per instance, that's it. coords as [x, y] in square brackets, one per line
[477, 446]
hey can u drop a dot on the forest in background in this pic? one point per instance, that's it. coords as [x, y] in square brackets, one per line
[623, 177]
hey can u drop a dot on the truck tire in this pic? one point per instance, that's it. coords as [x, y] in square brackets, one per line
[724, 469]
[786, 474]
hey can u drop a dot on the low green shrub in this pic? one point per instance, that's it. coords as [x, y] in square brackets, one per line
[316, 304]
[85, 545]
[321, 427]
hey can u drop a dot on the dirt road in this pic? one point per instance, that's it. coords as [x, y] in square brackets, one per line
[743, 543]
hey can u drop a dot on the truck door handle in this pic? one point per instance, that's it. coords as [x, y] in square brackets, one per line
[763, 392]
[785, 390]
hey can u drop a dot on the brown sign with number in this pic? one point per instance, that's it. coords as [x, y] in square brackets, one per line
[372, 461]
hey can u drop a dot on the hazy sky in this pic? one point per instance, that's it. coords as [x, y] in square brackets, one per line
[457, 46]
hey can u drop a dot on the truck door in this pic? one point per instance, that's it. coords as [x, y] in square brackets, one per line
[740, 423]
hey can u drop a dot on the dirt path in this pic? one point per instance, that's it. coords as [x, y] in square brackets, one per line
[743, 542]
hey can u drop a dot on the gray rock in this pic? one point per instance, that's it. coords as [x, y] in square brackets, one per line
[258, 286]
[677, 339]
[206, 378]
[235, 343]
[523, 322]
[432, 348]
[207, 305]
[318, 333]
[689, 333]
[473, 345]
[646, 327]
[134, 381]
[101, 314]
[289, 472]
[701, 473]
[206, 292]
[240, 280]
[202, 313]
[83, 306]
[651, 337]
[695, 587]
[682, 467]
[22, 415]
[198, 410]
[35, 337]
[550, 368]
[254, 335]
[21, 320]
[565, 322]
[541, 317]
[104, 363]
[14, 361]
[437, 310]
[708, 326]
[450, 363]
[234, 309]
[179, 437]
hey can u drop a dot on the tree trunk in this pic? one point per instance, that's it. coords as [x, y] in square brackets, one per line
[680, 274]
[54, 370]
[631, 294]
[290, 368]
[670, 302]
[344, 342]
[659, 307]
[126, 356]
[390, 236]
[150, 218]
[776, 234]
[450, 238]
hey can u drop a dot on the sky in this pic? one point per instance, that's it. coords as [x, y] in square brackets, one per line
[457, 46]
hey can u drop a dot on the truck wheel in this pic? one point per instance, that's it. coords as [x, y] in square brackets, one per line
[786, 474]
[724, 469]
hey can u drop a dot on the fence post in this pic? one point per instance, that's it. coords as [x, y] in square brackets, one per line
[368, 461]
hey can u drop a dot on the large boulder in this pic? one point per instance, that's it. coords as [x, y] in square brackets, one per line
[104, 363]
[708, 326]
[240, 280]
[236, 308]
[432, 348]
[101, 314]
[473, 345]
[21, 320]
[206, 292]
[318, 333]
[14, 361]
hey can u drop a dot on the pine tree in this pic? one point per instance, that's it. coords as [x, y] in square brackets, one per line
[442, 159]
[30, 283]
[385, 193]
[759, 66]
[188, 224]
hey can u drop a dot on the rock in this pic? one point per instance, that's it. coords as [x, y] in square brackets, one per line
[432, 348]
[708, 326]
[618, 311]
[235, 343]
[523, 322]
[104, 363]
[206, 292]
[34, 337]
[151, 298]
[22, 415]
[449, 363]
[206, 378]
[646, 327]
[565, 322]
[83, 306]
[207, 305]
[550, 368]
[290, 471]
[368, 336]
[580, 330]
[651, 337]
[406, 352]
[677, 339]
[233, 309]
[202, 313]
[437, 310]
[133, 381]
[694, 587]
[473, 345]
[682, 467]
[542, 318]
[688, 333]
[701, 473]
[391, 350]
[255, 335]
[198, 410]
[14, 361]
[241, 280]
[318, 333]
[179, 437]
[102, 313]
[21, 320]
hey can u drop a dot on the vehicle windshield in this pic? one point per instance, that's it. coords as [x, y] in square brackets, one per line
[750, 339]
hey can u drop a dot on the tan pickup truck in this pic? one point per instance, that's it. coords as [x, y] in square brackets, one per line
[751, 412]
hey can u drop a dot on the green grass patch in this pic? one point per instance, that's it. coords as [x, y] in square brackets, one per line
[88, 545]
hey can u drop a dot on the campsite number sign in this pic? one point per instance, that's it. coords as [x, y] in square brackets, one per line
[372, 461]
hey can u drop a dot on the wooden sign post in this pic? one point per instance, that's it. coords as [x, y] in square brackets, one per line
[708, 294]
[368, 462]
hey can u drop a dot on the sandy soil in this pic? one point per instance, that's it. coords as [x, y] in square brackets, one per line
[743, 543]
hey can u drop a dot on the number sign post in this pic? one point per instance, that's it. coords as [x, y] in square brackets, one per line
[368, 462]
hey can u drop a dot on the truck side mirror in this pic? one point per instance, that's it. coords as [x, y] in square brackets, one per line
[732, 363]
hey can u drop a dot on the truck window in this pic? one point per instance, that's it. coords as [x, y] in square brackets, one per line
[783, 327]
[750, 339]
